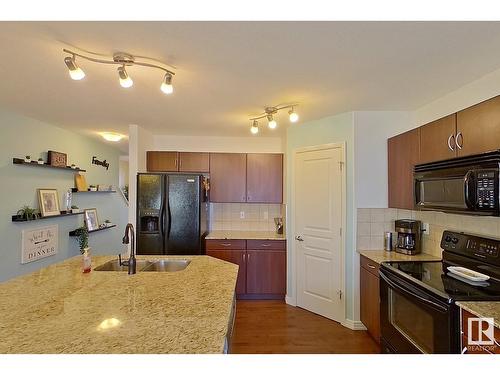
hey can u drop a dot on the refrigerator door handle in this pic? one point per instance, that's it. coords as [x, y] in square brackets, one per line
[162, 213]
[169, 222]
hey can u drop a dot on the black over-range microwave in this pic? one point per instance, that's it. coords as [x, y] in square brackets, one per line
[468, 184]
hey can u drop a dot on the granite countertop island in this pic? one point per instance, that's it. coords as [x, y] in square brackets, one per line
[379, 256]
[244, 235]
[59, 309]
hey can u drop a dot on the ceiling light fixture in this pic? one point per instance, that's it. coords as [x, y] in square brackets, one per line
[122, 59]
[125, 80]
[112, 137]
[271, 122]
[294, 117]
[270, 113]
[166, 85]
[255, 127]
[74, 71]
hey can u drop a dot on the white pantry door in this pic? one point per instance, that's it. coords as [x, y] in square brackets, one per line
[318, 224]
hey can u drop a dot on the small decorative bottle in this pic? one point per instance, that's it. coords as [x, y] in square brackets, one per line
[87, 261]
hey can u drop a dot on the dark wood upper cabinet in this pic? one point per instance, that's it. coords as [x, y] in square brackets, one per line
[194, 162]
[403, 153]
[228, 177]
[437, 139]
[236, 257]
[266, 272]
[162, 161]
[478, 128]
[264, 178]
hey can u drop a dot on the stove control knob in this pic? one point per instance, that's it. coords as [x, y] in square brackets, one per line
[447, 238]
[454, 240]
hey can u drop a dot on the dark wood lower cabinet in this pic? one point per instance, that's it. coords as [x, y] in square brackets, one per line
[370, 297]
[262, 273]
[266, 272]
[236, 257]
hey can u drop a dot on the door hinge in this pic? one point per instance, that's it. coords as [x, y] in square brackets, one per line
[340, 230]
[340, 294]
[341, 164]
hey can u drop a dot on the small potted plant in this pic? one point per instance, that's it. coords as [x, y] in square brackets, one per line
[107, 222]
[92, 188]
[73, 166]
[27, 213]
[75, 209]
[82, 235]
[27, 159]
[40, 161]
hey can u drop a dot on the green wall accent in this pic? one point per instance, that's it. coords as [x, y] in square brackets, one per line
[333, 129]
[20, 136]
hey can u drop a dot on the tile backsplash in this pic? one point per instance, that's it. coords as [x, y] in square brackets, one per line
[373, 222]
[245, 216]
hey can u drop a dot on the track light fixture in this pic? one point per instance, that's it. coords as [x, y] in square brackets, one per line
[123, 60]
[255, 127]
[74, 71]
[125, 80]
[294, 117]
[166, 85]
[270, 113]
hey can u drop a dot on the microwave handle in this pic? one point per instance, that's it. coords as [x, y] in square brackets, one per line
[468, 180]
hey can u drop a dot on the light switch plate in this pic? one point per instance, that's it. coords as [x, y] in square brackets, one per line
[242, 214]
[425, 228]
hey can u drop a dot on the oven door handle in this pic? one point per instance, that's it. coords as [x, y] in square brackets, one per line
[422, 299]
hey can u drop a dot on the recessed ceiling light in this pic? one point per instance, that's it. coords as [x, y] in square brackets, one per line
[112, 137]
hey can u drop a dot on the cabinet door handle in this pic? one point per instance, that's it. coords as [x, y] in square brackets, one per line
[265, 245]
[370, 266]
[244, 258]
[248, 257]
[450, 145]
[461, 143]
[298, 238]
[225, 244]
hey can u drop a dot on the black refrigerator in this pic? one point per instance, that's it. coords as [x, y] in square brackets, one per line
[172, 214]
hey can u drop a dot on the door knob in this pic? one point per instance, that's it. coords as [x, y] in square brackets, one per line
[298, 238]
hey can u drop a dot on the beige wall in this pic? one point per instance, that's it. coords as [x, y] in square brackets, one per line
[217, 144]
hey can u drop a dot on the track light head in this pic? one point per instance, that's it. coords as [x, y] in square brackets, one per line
[74, 71]
[294, 117]
[125, 80]
[255, 127]
[271, 122]
[166, 86]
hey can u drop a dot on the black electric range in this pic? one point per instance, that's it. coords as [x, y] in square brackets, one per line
[418, 311]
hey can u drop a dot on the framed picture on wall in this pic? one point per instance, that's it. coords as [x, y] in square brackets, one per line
[91, 220]
[57, 159]
[49, 202]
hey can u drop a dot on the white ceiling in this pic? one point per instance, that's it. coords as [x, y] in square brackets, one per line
[228, 71]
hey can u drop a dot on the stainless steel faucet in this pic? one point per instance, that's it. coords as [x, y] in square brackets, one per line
[131, 263]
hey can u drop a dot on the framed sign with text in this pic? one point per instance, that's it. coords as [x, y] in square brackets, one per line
[39, 243]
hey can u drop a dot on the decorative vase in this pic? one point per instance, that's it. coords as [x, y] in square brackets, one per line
[75, 210]
[40, 161]
[27, 159]
[86, 260]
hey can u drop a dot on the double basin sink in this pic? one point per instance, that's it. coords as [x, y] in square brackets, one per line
[142, 265]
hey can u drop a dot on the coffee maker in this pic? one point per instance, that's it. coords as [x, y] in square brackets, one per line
[409, 236]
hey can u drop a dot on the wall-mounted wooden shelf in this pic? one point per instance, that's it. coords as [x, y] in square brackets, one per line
[35, 164]
[73, 232]
[16, 218]
[75, 190]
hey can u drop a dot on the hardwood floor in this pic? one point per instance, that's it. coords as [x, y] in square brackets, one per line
[277, 328]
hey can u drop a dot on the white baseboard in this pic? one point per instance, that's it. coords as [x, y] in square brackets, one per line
[355, 325]
[290, 301]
